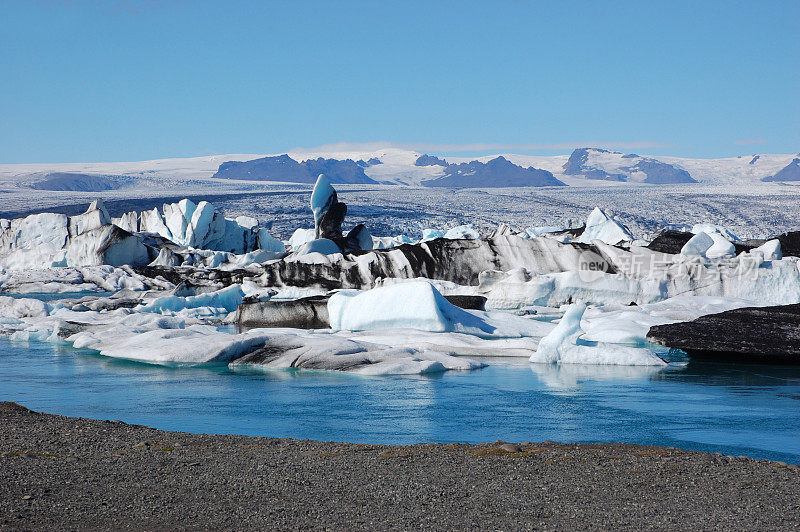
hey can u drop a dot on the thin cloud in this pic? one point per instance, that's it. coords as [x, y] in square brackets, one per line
[748, 142]
[479, 146]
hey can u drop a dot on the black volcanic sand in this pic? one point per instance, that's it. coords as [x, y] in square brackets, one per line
[68, 473]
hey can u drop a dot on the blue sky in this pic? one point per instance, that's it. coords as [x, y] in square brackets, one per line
[123, 80]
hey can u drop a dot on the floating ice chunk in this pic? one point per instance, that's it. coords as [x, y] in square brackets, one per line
[455, 343]
[258, 256]
[163, 340]
[320, 245]
[601, 226]
[388, 242]
[95, 217]
[771, 250]
[418, 305]
[710, 229]
[629, 325]
[201, 221]
[46, 233]
[415, 305]
[564, 335]
[129, 221]
[166, 257]
[563, 346]
[533, 232]
[267, 242]
[248, 222]
[503, 229]
[322, 198]
[697, 246]
[359, 238]
[227, 299]
[22, 308]
[112, 279]
[721, 247]
[462, 231]
[711, 246]
[195, 344]
[153, 222]
[300, 237]
[177, 217]
[290, 348]
[107, 244]
[431, 234]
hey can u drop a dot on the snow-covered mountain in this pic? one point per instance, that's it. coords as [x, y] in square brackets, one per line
[585, 167]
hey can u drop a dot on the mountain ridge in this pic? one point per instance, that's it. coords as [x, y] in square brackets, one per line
[393, 166]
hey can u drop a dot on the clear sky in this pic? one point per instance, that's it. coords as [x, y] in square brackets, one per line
[124, 80]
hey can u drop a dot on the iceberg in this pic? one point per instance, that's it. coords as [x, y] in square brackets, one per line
[226, 299]
[323, 197]
[770, 250]
[431, 234]
[300, 237]
[601, 226]
[323, 246]
[708, 245]
[420, 306]
[462, 231]
[711, 229]
[389, 242]
[413, 305]
[22, 308]
[564, 346]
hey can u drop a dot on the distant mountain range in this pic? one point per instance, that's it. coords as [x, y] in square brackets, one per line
[596, 163]
[790, 172]
[284, 168]
[498, 172]
[585, 167]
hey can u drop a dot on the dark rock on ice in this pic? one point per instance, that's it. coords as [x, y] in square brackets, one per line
[303, 313]
[790, 243]
[467, 302]
[757, 335]
[670, 241]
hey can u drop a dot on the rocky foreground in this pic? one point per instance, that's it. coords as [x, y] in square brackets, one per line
[66, 473]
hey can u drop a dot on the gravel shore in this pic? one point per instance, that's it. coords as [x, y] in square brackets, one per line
[71, 473]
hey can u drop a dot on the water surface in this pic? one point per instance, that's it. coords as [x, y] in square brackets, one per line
[734, 409]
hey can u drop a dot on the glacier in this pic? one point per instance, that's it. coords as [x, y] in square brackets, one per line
[164, 286]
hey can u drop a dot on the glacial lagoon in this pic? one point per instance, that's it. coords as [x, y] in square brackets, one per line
[735, 409]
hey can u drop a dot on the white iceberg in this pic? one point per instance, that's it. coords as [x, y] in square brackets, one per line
[563, 346]
[462, 231]
[226, 299]
[420, 306]
[603, 227]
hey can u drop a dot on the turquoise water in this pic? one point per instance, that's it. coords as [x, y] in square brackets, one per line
[733, 409]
